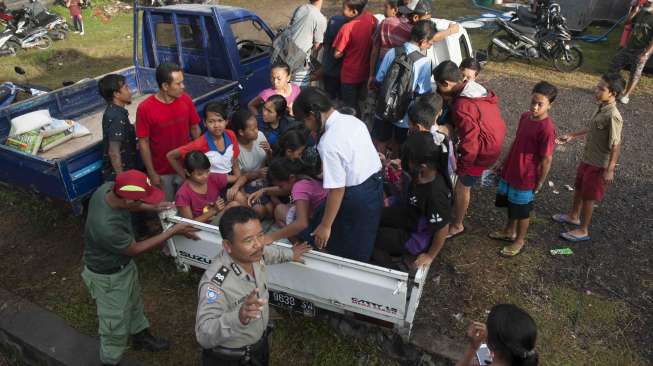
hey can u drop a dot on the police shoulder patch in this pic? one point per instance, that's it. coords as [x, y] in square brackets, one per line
[220, 276]
[213, 295]
[235, 268]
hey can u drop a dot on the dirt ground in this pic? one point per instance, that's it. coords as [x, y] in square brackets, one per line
[592, 308]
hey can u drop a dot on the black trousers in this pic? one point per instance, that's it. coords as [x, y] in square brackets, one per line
[351, 95]
[259, 356]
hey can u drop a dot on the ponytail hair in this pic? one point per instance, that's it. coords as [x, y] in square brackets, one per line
[311, 101]
[280, 169]
[292, 139]
[512, 334]
[280, 105]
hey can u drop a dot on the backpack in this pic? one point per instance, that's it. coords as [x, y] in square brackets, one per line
[397, 91]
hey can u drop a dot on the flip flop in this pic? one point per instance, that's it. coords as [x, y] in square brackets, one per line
[498, 235]
[508, 253]
[564, 219]
[449, 236]
[573, 238]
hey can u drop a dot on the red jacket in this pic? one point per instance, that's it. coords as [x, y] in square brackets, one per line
[480, 128]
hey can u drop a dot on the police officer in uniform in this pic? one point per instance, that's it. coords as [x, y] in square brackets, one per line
[232, 313]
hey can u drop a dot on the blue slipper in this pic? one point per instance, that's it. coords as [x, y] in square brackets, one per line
[573, 238]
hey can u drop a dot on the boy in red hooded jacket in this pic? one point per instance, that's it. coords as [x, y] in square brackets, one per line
[480, 129]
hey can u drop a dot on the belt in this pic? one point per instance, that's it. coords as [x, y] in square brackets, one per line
[108, 271]
[242, 353]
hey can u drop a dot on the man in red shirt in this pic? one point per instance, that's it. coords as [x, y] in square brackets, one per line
[354, 44]
[166, 121]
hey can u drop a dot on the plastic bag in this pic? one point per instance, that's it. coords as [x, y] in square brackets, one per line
[29, 122]
[57, 126]
[28, 142]
[80, 130]
[56, 140]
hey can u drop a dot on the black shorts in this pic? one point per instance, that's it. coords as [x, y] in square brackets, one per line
[625, 58]
[515, 211]
[468, 180]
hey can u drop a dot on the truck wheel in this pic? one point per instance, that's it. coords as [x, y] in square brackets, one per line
[568, 61]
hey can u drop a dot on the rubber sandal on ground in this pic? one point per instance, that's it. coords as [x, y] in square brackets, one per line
[498, 235]
[451, 236]
[573, 238]
[564, 219]
[509, 253]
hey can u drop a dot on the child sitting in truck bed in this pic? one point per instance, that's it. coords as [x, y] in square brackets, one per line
[220, 146]
[275, 119]
[419, 225]
[254, 153]
[280, 80]
[200, 197]
[299, 218]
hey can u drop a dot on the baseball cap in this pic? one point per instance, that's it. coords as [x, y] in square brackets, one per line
[416, 7]
[135, 185]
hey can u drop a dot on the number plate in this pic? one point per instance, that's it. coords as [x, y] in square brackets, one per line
[287, 301]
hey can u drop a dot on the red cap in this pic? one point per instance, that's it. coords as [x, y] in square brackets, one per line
[135, 185]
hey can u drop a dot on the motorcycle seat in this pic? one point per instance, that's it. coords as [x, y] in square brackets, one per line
[526, 17]
[523, 29]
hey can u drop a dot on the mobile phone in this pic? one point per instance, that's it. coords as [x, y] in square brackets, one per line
[483, 355]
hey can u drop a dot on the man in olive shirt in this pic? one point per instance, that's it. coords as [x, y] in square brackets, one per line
[110, 273]
[638, 50]
[232, 313]
[602, 148]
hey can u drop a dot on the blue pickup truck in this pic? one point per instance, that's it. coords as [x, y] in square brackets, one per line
[225, 54]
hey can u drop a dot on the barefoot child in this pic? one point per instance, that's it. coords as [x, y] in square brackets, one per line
[220, 146]
[280, 80]
[526, 167]
[74, 8]
[602, 148]
[198, 198]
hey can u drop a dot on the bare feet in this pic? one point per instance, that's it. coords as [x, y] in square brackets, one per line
[455, 230]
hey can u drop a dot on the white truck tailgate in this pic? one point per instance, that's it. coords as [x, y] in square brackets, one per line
[330, 282]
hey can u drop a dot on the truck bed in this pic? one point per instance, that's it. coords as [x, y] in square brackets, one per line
[93, 122]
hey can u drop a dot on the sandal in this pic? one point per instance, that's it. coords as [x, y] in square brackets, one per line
[564, 219]
[510, 253]
[499, 235]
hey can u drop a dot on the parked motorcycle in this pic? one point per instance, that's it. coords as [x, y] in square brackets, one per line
[35, 16]
[10, 42]
[550, 41]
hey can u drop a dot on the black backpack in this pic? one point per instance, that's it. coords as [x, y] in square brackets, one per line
[397, 91]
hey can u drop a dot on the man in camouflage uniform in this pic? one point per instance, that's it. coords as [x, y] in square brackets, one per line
[232, 313]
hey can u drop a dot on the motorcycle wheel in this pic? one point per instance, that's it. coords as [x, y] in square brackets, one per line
[494, 52]
[571, 63]
[12, 47]
[45, 43]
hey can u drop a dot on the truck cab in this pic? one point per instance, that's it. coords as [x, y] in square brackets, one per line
[217, 41]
